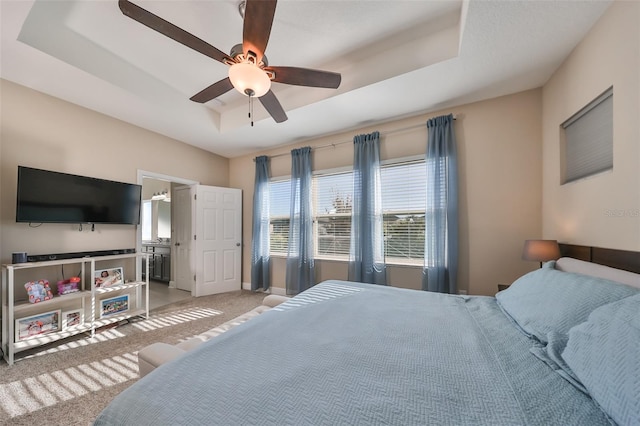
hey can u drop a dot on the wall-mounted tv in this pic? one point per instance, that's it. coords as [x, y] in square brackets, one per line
[53, 197]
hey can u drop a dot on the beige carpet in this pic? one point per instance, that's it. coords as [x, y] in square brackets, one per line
[70, 381]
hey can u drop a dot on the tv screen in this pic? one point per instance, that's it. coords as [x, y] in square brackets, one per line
[52, 197]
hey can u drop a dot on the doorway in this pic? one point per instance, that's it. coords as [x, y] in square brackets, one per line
[156, 235]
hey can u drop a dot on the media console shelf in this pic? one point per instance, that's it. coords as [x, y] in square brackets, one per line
[90, 307]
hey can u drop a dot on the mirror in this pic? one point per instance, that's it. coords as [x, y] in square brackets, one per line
[155, 218]
[164, 218]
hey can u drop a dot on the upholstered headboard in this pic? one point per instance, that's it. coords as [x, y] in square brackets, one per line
[618, 259]
[569, 264]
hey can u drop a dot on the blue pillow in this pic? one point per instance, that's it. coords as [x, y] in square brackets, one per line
[549, 301]
[604, 354]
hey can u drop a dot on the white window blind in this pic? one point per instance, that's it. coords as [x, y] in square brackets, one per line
[279, 199]
[333, 196]
[403, 204]
[588, 139]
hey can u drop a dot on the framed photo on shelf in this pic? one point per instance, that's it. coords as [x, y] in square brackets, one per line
[38, 291]
[37, 325]
[114, 305]
[71, 319]
[109, 277]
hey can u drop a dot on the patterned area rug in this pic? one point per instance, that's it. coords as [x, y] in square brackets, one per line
[69, 382]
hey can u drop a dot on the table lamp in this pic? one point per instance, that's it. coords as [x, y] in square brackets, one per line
[541, 250]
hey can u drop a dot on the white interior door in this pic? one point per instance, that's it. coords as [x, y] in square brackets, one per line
[217, 238]
[183, 238]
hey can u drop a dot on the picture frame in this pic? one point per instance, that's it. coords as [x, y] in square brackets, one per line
[37, 325]
[72, 319]
[114, 305]
[108, 277]
[38, 291]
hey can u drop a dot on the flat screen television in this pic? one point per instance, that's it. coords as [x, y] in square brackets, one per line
[53, 197]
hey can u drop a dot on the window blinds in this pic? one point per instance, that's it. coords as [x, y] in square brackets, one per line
[279, 210]
[333, 196]
[588, 138]
[403, 204]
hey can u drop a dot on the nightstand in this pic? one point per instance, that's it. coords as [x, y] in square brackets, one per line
[503, 286]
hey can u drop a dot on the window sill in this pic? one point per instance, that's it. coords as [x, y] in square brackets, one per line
[338, 260]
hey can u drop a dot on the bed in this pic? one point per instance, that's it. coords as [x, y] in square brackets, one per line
[557, 348]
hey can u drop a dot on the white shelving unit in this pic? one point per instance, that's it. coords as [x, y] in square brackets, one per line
[87, 300]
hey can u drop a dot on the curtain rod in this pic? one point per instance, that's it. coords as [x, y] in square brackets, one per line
[333, 145]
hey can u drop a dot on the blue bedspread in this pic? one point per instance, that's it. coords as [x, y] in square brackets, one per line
[356, 354]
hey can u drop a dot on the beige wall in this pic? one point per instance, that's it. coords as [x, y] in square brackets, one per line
[499, 144]
[603, 210]
[44, 132]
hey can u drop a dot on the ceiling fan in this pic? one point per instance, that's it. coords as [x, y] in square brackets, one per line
[249, 71]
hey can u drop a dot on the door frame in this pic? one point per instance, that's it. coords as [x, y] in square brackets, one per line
[153, 175]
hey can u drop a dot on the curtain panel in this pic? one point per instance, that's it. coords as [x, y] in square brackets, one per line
[300, 274]
[260, 259]
[366, 255]
[441, 222]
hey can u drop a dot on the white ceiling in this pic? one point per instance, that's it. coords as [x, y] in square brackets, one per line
[397, 59]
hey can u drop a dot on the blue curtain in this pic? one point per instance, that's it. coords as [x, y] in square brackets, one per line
[441, 222]
[366, 254]
[260, 260]
[300, 261]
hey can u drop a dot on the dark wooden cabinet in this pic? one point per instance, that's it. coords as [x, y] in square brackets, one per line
[166, 267]
[159, 262]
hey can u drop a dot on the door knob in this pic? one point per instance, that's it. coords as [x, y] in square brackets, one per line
[237, 244]
[177, 244]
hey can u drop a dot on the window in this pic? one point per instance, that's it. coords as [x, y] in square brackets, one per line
[146, 220]
[333, 195]
[279, 197]
[403, 204]
[588, 139]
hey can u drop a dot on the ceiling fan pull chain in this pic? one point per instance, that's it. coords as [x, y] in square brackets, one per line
[251, 109]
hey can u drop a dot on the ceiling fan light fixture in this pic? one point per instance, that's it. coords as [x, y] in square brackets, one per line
[249, 80]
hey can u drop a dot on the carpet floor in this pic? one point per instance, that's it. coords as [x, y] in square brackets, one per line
[69, 382]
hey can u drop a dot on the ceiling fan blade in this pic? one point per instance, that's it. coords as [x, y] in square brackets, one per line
[272, 105]
[168, 29]
[213, 91]
[306, 77]
[258, 18]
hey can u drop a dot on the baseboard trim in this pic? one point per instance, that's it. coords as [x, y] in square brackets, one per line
[273, 290]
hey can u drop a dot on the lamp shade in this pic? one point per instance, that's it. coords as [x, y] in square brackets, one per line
[541, 250]
[249, 80]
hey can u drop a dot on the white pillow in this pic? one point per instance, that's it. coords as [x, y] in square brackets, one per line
[568, 264]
